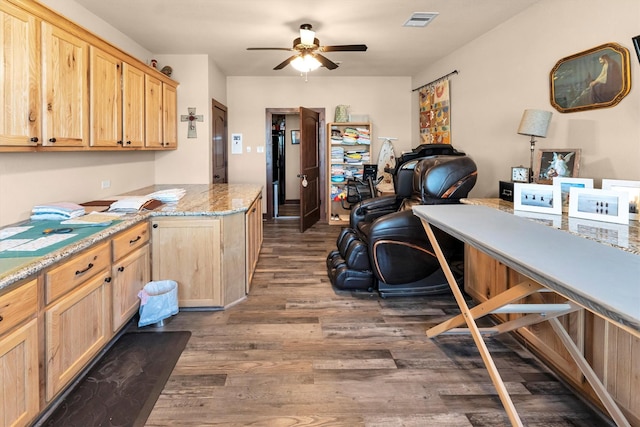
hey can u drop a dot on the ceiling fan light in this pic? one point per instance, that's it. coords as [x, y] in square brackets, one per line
[305, 63]
[307, 36]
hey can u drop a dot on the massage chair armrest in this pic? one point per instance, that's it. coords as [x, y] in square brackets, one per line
[370, 209]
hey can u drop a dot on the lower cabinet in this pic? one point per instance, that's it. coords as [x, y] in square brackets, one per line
[204, 255]
[130, 274]
[254, 237]
[19, 397]
[76, 329]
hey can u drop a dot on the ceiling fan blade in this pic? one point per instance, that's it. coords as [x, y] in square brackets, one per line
[284, 63]
[326, 62]
[345, 48]
[269, 48]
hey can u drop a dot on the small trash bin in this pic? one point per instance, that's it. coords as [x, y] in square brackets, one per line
[158, 301]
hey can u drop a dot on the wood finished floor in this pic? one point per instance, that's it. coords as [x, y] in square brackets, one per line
[295, 353]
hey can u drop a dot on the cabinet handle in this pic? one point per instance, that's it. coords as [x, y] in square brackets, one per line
[52, 140]
[131, 242]
[119, 142]
[34, 139]
[107, 279]
[89, 267]
[128, 142]
[121, 269]
[1, 318]
[155, 225]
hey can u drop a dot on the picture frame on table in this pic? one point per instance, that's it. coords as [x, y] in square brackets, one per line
[599, 205]
[595, 78]
[295, 137]
[631, 187]
[553, 162]
[566, 184]
[537, 198]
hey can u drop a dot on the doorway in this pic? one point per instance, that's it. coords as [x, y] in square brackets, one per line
[283, 162]
[219, 142]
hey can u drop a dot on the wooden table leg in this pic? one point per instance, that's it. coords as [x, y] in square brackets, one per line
[473, 329]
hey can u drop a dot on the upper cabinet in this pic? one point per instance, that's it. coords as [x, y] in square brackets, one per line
[65, 60]
[20, 87]
[65, 89]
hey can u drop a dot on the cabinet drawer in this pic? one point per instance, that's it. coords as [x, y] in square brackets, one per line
[17, 305]
[130, 239]
[70, 274]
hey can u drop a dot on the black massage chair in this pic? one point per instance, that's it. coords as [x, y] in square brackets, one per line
[390, 253]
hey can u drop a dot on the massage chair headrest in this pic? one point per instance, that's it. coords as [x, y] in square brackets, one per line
[446, 177]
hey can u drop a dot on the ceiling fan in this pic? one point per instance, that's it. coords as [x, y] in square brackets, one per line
[307, 48]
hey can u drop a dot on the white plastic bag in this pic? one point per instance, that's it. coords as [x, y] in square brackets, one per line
[158, 300]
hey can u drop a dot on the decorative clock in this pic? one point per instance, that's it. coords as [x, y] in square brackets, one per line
[520, 174]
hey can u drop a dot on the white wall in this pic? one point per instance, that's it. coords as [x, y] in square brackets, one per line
[387, 101]
[507, 70]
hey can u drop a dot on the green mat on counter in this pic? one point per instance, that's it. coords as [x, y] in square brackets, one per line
[36, 231]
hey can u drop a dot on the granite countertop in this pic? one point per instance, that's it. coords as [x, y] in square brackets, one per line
[199, 200]
[625, 237]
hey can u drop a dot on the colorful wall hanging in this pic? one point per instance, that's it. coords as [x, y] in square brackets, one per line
[435, 113]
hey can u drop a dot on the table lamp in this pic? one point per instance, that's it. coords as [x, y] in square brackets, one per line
[534, 123]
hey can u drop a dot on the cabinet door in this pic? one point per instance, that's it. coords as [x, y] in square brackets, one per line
[65, 71]
[19, 399]
[20, 85]
[153, 112]
[254, 238]
[76, 328]
[170, 116]
[106, 103]
[130, 274]
[133, 106]
[189, 251]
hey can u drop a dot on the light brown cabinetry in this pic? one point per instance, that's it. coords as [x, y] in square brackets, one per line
[204, 255]
[19, 398]
[161, 114]
[132, 106]
[131, 270]
[65, 59]
[254, 238]
[77, 322]
[612, 352]
[20, 90]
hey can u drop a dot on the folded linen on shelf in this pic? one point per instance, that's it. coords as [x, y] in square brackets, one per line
[56, 211]
[169, 195]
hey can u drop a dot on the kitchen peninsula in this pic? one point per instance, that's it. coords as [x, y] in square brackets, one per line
[58, 310]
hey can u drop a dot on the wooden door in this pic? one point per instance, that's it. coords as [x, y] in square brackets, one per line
[20, 85]
[169, 116]
[219, 140]
[309, 168]
[153, 112]
[132, 106]
[106, 101]
[66, 89]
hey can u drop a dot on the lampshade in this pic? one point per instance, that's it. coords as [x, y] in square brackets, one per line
[305, 63]
[535, 123]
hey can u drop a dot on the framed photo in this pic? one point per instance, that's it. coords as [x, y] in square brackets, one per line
[631, 187]
[566, 183]
[599, 205]
[553, 162]
[295, 137]
[595, 78]
[537, 198]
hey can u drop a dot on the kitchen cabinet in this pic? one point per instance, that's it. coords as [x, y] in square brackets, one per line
[204, 255]
[65, 59]
[348, 150]
[254, 238]
[19, 398]
[76, 316]
[20, 90]
[131, 270]
[117, 102]
[161, 114]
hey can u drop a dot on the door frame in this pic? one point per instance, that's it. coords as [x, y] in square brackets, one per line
[322, 148]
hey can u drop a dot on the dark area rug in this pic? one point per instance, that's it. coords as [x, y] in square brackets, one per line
[123, 386]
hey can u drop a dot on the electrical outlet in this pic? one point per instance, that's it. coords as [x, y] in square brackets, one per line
[260, 148]
[105, 184]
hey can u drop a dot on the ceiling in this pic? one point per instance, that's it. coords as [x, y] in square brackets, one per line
[224, 29]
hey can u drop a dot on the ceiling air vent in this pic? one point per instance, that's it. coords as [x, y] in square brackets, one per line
[420, 19]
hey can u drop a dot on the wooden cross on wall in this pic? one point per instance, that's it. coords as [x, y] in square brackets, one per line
[192, 118]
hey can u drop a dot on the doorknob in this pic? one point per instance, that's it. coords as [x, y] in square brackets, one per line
[304, 180]
[216, 176]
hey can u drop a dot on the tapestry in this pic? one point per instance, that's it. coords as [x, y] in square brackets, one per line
[435, 115]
